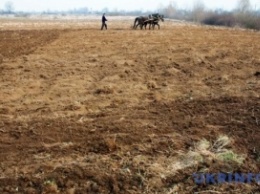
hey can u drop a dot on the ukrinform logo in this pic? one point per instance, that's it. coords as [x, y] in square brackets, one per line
[219, 178]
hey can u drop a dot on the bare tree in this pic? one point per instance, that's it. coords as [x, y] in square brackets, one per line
[170, 10]
[198, 10]
[9, 7]
[244, 6]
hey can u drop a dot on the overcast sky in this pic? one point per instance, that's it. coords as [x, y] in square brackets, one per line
[41, 5]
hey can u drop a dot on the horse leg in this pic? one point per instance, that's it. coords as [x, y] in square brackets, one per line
[142, 26]
[156, 25]
[145, 25]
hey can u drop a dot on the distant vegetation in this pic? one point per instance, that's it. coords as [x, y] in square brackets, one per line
[245, 15]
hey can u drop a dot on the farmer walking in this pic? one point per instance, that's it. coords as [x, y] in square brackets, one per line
[104, 22]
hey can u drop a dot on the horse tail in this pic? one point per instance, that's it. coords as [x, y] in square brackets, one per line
[136, 19]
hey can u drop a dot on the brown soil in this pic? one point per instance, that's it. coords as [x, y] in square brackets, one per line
[89, 111]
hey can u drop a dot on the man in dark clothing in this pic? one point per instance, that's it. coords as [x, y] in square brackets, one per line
[104, 22]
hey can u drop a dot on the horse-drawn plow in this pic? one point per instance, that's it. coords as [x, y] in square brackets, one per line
[151, 20]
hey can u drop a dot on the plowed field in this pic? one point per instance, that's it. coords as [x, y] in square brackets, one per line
[126, 111]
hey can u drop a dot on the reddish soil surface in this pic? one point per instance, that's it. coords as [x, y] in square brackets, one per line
[90, 111]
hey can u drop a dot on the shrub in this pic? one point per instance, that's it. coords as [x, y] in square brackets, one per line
[226, 19]
[249, 20]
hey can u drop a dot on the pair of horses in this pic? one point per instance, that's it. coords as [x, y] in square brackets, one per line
[152, 20]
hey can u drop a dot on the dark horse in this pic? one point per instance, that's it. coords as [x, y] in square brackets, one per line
[152, 20]
[139, 21]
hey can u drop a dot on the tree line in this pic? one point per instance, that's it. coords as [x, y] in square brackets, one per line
[244, 15]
